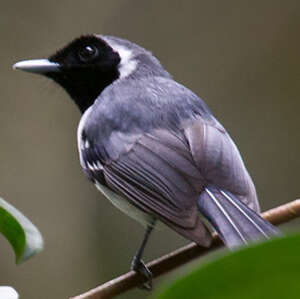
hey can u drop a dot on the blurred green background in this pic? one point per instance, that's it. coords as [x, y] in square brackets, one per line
[241, 57]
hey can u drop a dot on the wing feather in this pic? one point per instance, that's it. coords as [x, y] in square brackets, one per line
[155, 182]
[220, 162]
[163, 172]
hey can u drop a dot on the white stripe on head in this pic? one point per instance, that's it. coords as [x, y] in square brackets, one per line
[127, 64]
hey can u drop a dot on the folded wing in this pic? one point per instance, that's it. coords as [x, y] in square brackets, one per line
[163, 172]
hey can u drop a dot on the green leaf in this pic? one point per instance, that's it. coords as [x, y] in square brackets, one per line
[23, 236]
[265, 270]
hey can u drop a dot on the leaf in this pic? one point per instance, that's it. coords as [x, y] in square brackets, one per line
[265, 270]
[23, 236]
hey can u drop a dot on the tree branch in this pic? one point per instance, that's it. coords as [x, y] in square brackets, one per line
[181, 256]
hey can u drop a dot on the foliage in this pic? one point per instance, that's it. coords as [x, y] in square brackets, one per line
[23, 236]
[266, 270]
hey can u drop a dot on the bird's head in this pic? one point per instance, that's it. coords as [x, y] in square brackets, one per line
[88, 64]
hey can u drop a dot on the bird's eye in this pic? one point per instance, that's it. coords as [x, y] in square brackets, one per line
[88, 53]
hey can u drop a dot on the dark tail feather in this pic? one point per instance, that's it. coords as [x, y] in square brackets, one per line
[235, 223]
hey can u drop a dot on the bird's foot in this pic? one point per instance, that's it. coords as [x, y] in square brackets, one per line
[139, 266]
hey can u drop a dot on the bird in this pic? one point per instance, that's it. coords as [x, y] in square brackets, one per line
[152, 146]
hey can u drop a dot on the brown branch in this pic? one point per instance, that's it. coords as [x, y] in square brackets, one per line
[180, 256]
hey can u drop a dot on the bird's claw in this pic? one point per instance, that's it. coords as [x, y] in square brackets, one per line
[139, 266]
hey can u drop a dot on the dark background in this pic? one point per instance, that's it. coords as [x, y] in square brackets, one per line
[241, 57]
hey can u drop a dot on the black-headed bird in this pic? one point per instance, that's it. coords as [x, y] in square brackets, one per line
[152, 146]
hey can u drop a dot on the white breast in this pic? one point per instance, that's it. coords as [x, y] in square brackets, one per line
[124, 205]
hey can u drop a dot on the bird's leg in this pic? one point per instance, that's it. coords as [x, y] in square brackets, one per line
[138, 265]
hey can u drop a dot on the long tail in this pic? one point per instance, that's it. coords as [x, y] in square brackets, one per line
[234, 222]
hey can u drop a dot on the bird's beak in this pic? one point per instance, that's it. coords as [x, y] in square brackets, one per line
[39, 66]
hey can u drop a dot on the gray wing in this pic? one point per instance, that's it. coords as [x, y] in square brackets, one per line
[163, 172]
[220, 162]
[156, 173]
[159, 176]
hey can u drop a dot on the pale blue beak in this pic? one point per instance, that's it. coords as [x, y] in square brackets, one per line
[38, 66]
